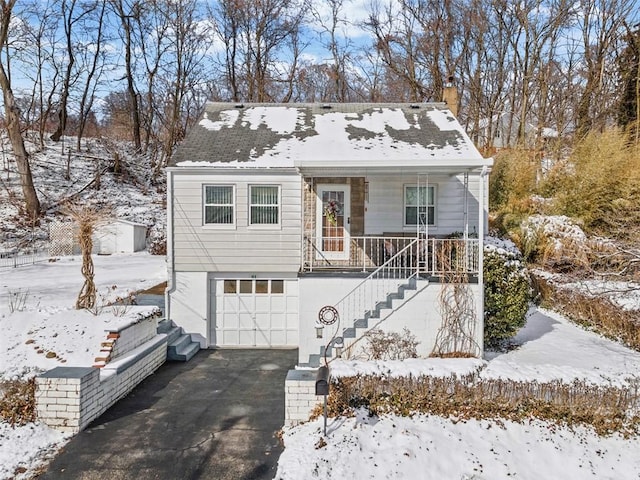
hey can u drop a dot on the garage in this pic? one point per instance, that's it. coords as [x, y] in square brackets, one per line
[250, 312]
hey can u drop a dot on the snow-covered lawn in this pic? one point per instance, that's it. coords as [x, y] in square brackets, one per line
[431, 447]
[391, 447]
[37, 316]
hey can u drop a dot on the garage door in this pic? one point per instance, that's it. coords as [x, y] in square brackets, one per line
[255, 313]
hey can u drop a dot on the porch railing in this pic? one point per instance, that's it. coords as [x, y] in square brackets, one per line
[429, 256]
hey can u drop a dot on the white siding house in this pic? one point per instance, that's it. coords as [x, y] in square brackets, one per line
[280, 214]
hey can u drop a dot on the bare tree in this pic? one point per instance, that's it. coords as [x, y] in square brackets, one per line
[127, 13]
[182, 70]
[262, 39]
[70, 19]
[333, 35]
[601, 26]
[629, 67]
[43, 70]
[12, 118]
[94, 58]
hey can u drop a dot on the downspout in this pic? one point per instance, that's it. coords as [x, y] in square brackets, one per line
[482, 215]
[171, 281]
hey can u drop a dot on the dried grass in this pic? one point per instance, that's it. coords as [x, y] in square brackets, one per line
[596, 313]
[606, 409]
[18, 404]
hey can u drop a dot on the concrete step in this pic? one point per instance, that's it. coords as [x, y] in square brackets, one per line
[174, 334]
[182, 349]
[165, 325]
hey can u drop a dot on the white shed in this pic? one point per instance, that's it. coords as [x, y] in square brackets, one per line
[119, 236]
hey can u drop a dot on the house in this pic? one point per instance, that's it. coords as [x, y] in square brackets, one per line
[305, 225]
[501, 131]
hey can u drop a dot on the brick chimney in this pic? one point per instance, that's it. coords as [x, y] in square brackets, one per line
[450, 96]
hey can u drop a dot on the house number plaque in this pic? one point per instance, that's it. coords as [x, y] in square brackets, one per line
[328, 315]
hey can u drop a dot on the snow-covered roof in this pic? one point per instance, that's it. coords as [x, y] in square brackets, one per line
[327, 135]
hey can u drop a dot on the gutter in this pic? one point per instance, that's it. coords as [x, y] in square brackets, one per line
[171, 280]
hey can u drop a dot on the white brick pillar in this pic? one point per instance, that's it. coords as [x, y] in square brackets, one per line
[64, 394]
[300, 396]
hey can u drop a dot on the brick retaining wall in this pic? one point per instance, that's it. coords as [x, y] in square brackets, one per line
[69, 398]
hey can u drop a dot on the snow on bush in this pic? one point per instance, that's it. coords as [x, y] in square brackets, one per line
[507, 292]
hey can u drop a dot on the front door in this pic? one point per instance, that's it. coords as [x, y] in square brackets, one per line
[332, 222]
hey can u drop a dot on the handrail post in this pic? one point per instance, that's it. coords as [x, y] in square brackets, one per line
[364, 254]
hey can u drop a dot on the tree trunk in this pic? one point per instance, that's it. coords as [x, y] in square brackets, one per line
[12, 118]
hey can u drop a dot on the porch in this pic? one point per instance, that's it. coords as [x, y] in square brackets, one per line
[406, 256]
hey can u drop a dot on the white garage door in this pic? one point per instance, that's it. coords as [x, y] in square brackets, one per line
[255, 313]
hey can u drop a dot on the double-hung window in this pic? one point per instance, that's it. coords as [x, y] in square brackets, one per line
[419, 205]
[264, 205]
[219, 205]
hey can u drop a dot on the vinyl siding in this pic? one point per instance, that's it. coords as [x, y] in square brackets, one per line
[385, 206]
[240, 248]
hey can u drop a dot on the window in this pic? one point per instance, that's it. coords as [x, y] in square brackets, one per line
[277, 286]
[263, 205]
[218, 205]
[262, 286]
[230, 286]
[419, 205]
[259, 287]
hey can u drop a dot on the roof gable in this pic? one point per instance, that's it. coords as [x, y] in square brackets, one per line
[300, 135]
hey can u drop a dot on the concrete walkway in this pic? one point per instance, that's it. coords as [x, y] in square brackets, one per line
[214, 417]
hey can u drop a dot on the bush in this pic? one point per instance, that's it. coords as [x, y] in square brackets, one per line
[604, 408]
[507, 294]
[18, 404]
[600, 186]
[390, 345]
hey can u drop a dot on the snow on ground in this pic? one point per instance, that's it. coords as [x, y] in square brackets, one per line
[431, 447]
[129, 195]
[26, 448]
[548, 348]
[552, 348]
[48, 320]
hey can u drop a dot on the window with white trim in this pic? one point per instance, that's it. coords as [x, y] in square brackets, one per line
[264, 205]
[219, 205]
[259, 287]
[419, 205]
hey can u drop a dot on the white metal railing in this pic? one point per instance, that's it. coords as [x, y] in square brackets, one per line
[428, 256]
[376, 288]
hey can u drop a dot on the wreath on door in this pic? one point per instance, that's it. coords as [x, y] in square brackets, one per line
[331, 211]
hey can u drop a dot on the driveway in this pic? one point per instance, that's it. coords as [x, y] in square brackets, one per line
[215, 417]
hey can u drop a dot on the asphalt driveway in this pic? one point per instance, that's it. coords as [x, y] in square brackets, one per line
[214, 417]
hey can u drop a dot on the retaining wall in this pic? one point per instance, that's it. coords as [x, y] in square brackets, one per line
[69, 398]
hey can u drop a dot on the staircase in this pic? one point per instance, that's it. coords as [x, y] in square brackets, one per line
[180, 346]
[372, 301]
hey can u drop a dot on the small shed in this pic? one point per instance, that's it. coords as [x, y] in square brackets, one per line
[119, 236]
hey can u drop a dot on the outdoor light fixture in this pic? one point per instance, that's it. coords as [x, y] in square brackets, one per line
[319, 329]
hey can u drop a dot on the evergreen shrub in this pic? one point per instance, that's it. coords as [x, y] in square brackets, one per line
[507, 294]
